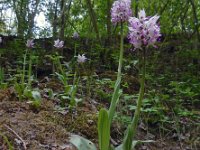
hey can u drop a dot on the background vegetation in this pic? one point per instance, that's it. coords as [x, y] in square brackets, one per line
[172, 95]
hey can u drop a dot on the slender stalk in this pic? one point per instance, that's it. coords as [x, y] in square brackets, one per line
[116, 94]
[29, 72]
[132, 128]
[63, 73]
[141, 95]
[74, 58]
[74, 89]
[24, 69]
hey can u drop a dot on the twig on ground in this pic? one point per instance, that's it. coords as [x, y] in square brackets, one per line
[17, 135]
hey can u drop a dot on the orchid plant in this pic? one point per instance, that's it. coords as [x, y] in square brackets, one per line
[56, 58]
[75, 36]
[143, 32]
[61, 71]
[23, 88]
[120, 13]
[29, 45]
[20, 88]
[70, 90]
[58, 44]
[81, 59]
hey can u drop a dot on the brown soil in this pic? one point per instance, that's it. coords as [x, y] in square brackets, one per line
[46, 129]
[49, 128]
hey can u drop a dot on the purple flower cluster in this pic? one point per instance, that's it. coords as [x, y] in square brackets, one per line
[121, 11]
[58, 43]
[29, 43]
[143, 31]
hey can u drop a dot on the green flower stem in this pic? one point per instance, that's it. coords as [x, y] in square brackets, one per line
[74, 89]
[29, 72]
[24, 69]
[116, 94]
[141, 95]
[63, 73]
[132, 128]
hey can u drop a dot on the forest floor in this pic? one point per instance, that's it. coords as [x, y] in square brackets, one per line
[168, 120]
[49, 127]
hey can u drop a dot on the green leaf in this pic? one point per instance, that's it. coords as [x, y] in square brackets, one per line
[50, 93]
[78, 100]
[127, 145]
[64, 97]
[36, 95]
[82, 143]
[103, 130]
[28, 93]
[60, 77]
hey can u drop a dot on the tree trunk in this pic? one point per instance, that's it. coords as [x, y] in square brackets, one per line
[62, 22]
[109, 36]
[196, 24]
[31, 17]
[64, 16]
[93, 18]
[55, 20]
[20, 8]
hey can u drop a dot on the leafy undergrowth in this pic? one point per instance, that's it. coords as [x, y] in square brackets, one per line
[49, 127]
[170, 113]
